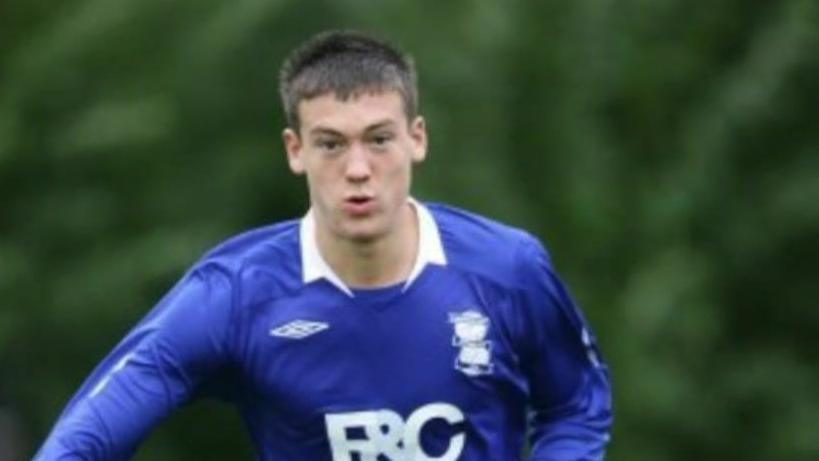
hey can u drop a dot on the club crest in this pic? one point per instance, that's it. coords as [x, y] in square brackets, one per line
[475, 351]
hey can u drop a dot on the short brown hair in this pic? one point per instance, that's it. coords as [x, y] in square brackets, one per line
[345, 63]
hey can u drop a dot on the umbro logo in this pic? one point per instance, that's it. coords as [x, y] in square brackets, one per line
[298, 329]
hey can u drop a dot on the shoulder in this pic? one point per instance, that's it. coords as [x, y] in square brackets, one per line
[267, 241]
[485, 247]
[267, 256]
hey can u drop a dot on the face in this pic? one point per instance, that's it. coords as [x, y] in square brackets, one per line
[357, 155]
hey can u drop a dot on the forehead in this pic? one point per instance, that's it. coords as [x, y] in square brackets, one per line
[354, 114]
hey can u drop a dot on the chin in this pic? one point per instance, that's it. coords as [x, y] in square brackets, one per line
[363, 232]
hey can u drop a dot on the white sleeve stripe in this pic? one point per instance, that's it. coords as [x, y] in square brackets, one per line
[104, 381]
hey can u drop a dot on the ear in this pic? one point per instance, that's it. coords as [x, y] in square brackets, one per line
[293, 146]
[418, 134]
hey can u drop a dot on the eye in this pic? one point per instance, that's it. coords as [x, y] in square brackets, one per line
[381, 139]
[328, 144]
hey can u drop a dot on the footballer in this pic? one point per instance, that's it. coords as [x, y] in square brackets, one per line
[374, 328]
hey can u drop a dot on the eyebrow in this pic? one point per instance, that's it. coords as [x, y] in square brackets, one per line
[320, 130]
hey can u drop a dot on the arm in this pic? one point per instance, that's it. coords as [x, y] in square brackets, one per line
[570, 396]
[154, 370]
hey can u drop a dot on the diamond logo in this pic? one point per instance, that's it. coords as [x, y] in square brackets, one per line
[298, 329]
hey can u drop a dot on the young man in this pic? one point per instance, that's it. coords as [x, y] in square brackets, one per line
[374, 328]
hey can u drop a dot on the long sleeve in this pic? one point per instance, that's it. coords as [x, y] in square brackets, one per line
[570, 396]
[155, 369]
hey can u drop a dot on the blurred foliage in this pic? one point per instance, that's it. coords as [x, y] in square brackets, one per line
[665, 151]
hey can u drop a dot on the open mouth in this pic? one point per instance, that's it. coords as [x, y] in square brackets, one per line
[359, 205]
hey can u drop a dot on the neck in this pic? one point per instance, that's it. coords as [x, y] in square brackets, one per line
[382, 261]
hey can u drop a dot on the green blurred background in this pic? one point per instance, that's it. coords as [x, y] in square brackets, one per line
[667, 152]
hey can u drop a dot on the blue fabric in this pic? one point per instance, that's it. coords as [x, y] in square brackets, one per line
[462, 364]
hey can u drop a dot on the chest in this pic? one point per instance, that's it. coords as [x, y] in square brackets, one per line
[310, 355]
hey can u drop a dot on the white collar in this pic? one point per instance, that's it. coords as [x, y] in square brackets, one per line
[314, 267]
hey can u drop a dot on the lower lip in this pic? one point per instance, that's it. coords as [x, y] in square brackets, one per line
[362, 208]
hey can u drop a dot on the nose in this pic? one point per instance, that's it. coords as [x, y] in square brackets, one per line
[358, 167]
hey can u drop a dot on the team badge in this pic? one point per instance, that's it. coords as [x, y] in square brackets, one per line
[474, 350]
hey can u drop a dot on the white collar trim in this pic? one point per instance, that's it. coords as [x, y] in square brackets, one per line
[314, 267]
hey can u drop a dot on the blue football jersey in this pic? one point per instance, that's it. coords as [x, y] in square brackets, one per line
[481, 347]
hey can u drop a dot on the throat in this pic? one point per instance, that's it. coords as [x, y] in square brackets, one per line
[374, 264]
[380, 262]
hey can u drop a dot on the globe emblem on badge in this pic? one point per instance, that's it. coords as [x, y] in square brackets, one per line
[470, 329]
